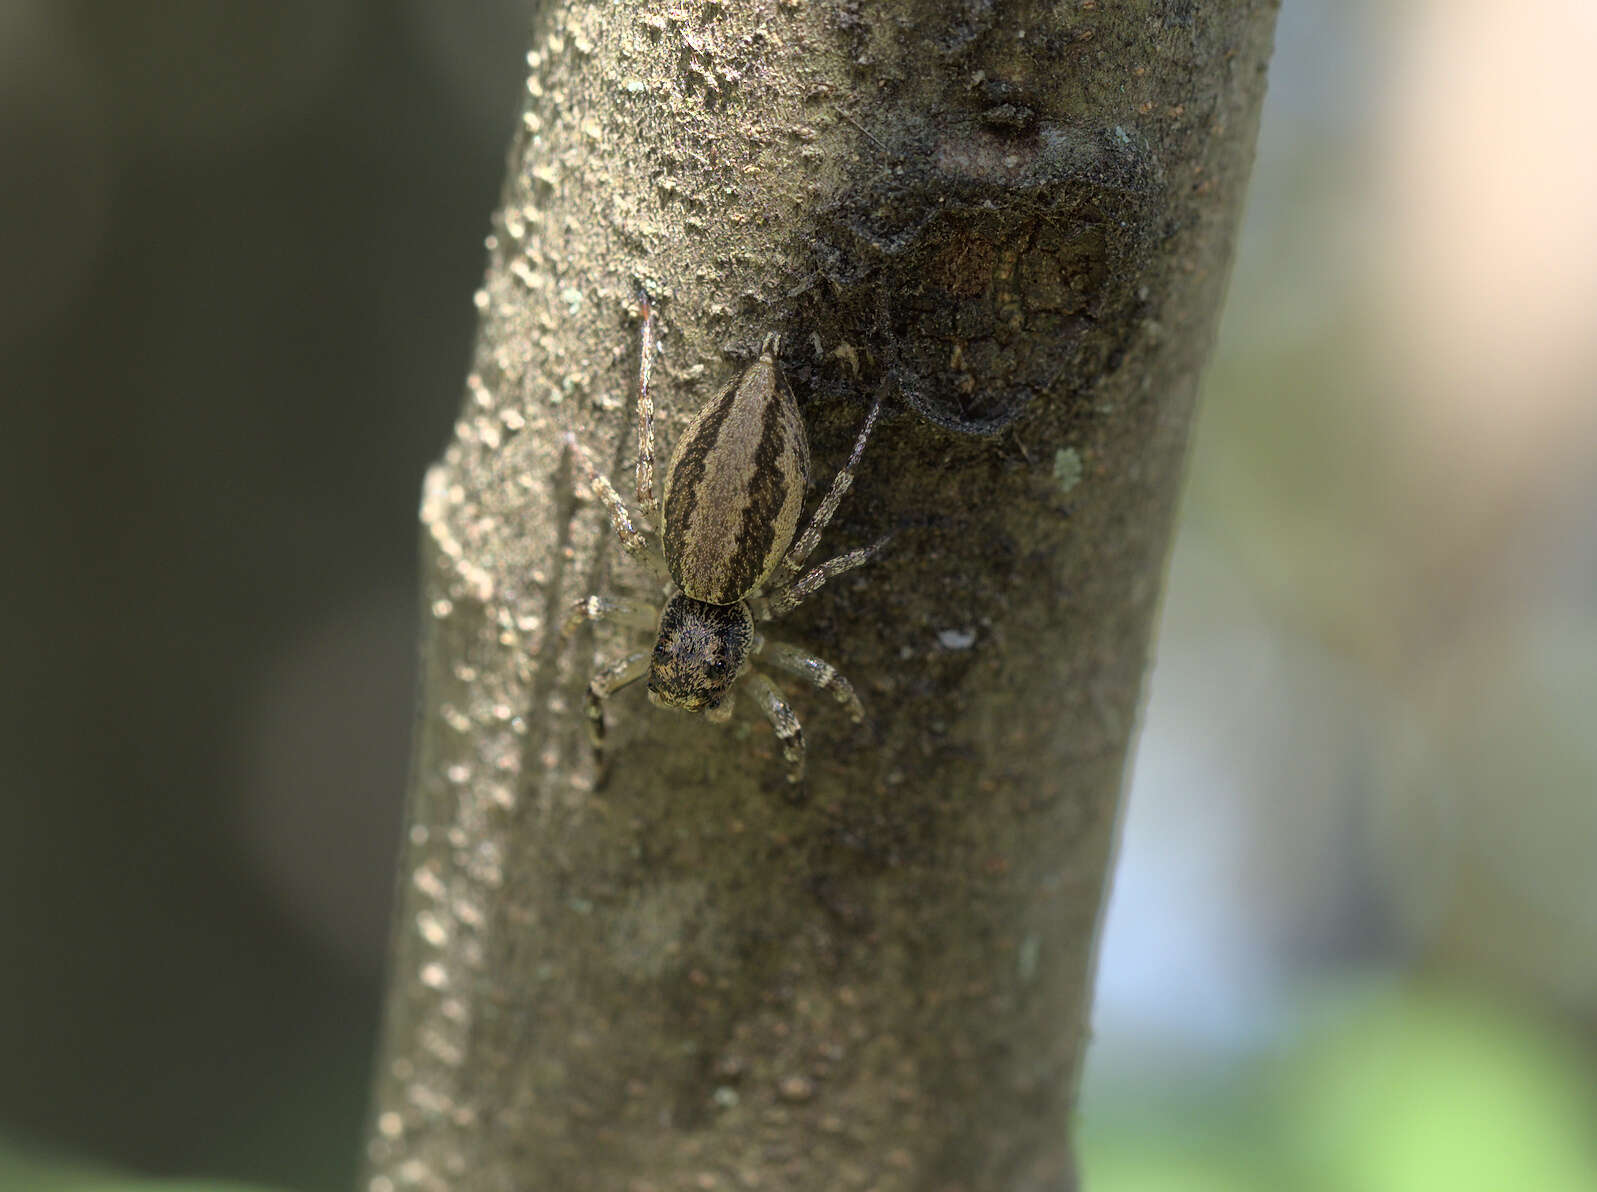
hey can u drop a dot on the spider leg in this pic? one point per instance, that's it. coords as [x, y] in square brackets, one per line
[790, 597]
[801, 549]
[788, 733]
[812, 670]
[633, 540]
[646, 499]
[632, 613]
[606, 682]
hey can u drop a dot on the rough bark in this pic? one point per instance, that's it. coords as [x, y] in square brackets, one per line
[1015, 218]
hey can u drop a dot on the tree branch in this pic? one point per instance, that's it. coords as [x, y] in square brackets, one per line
[1014, 217]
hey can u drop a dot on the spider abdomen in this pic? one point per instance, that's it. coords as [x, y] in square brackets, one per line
[734, 488]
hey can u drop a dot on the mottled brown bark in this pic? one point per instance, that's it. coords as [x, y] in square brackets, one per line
[1018, 216]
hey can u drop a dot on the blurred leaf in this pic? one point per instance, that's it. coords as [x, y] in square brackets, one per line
[1392, 1094]
[1420, 1094]
[1126, 1164]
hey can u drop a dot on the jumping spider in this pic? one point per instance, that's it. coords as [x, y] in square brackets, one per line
[733, 493]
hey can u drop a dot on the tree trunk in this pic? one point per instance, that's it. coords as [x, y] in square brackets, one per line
[1014, 219]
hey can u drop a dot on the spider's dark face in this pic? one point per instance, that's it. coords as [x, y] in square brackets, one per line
[699, 653]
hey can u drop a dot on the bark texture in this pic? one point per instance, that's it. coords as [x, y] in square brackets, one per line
[1017, 218]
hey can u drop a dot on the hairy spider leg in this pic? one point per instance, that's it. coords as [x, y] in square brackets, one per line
[810, 582]
[646, 499]
[777, 710]
[605, 683]
[841, 483]
[634, 614]
[811, 669]
[633, 540]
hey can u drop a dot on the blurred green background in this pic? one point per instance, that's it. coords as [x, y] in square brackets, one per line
[1351, 945]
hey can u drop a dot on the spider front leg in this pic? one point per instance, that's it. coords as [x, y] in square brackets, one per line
[788, 733]
[646, 500]
[633, 614]
[606, 682]
[633, 540]
[812, 670]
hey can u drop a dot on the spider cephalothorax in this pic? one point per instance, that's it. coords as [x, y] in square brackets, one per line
[734, 492]
[700, 652]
